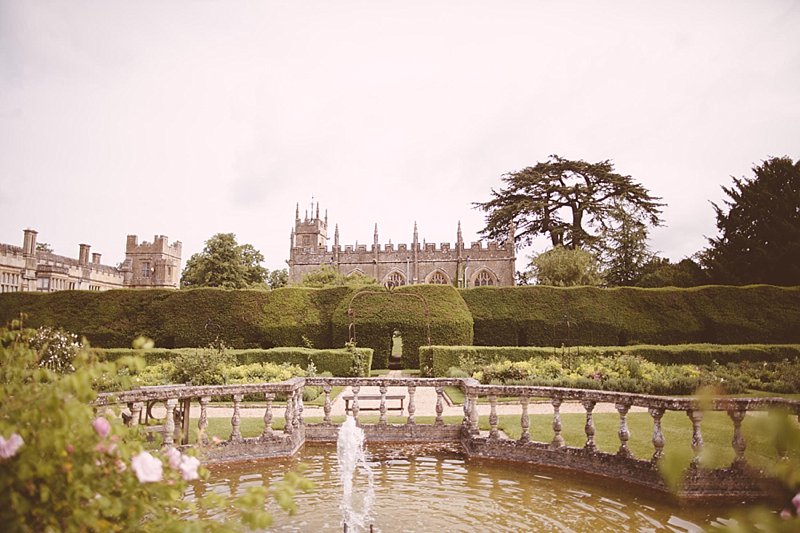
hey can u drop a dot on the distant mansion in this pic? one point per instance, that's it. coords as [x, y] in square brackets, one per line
[146, 265]
[457, 265]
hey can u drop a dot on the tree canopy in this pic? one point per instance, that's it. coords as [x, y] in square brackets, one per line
[327, 276]
[759, 227]
[566, 267]
[225, 263]
[564, 200]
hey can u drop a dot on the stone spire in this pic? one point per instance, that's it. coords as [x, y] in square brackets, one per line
[317, 216]
[416, 236]
[459, 238]
[336, 236]
[375, 236]
[297, 213]
[512, 243]
[326, 217]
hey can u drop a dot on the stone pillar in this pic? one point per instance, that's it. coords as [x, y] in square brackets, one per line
[267, 432]
[589, 428]
[558, 440]
[624, 433]
[236, 434]
[658, 435]
[202, 424]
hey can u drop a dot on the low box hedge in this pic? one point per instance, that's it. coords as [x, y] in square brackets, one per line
[435, 361]
[341, 362]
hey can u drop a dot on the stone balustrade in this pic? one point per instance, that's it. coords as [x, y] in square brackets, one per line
[481, 403]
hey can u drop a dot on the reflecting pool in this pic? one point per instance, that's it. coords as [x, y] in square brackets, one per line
[420, 488]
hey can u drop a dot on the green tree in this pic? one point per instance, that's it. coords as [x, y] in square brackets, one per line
[566, 267]
[564, 199]
[327, 276]
[759, 239]
[44, 247]
[225, 263]
[278, 278]
[623, 244]
[659, 272]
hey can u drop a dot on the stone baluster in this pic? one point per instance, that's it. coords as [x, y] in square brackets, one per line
[558, 440]
[465, 422]
[202, 424]
[169, 423]
[236, 434]
[439, 406]
[623, 433]
[326, 409]
[298, 419]
[382, 419]
[356, 389]
[473, 414]
[493, 433]
[589, 428]
[136, 413]
[696, 417]
[524, 420]
[738, 442]
[412, 407]
[288, 415]
[658, 434]
[267, 433]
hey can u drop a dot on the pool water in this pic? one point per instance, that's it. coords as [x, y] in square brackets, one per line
[419, 488]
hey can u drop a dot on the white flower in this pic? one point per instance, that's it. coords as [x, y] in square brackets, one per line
[188, 467]
[174, 457]
[147, 468]
[8, 448]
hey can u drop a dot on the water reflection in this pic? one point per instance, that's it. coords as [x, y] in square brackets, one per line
[419, 490]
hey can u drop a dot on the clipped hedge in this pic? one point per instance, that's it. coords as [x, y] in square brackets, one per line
[378, 314]
[340, 362]
[435, 361]
[291, 316]
[591, 316]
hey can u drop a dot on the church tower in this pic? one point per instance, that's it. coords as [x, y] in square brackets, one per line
[310, 232]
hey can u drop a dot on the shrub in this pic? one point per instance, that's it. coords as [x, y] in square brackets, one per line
[72, 471]
[203, 366]
[56, 348]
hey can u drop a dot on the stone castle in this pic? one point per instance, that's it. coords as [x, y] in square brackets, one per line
[458, 265]
[146, 265]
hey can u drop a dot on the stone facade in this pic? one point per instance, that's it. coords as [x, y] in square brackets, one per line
[146, 265]
[404, 264]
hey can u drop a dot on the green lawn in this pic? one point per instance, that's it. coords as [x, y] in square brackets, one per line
[677, 428]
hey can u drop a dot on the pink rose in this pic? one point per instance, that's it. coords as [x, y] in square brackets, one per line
[147, 468]
[9, 448]
[188, 467]
[101, 426]
[796, 502]
[174, 457]
[786, 514]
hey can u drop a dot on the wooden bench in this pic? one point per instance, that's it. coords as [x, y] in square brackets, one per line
[373, 397]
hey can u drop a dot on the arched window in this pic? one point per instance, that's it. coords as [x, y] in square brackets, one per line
[485, 278]
[395, 279]
[438, 278]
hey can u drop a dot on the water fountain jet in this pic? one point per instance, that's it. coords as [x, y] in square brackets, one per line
[355, 505]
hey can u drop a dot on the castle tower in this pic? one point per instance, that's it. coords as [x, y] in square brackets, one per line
[151, 264]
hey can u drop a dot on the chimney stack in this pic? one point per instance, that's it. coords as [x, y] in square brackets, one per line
[83, 256]
[96, 258]
[29, 242]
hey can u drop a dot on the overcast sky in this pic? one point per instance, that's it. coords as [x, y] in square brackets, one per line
[192, 118]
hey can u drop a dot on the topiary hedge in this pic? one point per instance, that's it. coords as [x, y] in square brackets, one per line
[342, 362]
[435, 361]
[296, 316]
[378, 314]
[584, 316]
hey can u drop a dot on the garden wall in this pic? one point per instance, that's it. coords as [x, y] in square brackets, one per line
[435, 361]
[590, 316]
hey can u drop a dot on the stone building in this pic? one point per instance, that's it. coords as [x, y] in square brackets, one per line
[458, 265]
[146, 265]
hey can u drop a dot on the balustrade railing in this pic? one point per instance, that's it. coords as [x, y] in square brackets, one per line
[481, 402]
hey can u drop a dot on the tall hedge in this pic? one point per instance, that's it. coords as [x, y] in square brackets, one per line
[378, 314]
[294, 316]
[555, 316]
[435, 361]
